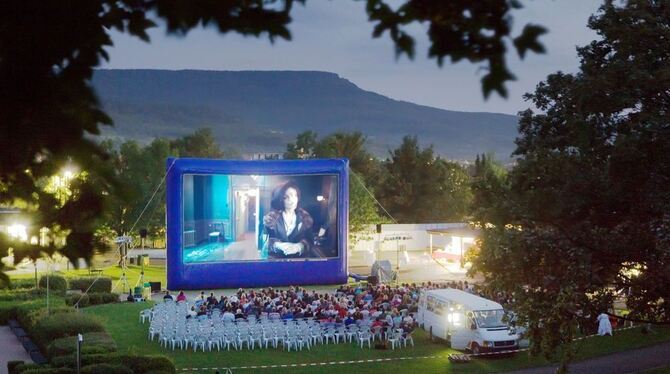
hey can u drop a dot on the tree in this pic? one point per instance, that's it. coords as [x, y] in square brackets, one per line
[303, 147]
[585, 215]
[200, 144]
[48, 50]
[362, 205]
[421, 187]
[140, 169]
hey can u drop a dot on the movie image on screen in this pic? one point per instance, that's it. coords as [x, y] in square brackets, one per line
[259, 217]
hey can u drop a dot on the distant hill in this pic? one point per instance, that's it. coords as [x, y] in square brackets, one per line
[260, 111]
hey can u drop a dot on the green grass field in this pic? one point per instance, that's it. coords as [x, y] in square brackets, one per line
[151, 273]
[121, 320]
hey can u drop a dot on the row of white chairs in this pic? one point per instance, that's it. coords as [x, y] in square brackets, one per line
[169, 324]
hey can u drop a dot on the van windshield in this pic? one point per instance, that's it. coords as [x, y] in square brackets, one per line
[490, 318]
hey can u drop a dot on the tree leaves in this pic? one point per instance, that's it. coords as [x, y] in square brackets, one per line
[583, 214]
[528, 40]
[459, 29]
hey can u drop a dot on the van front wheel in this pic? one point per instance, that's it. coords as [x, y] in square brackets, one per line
[474, 347]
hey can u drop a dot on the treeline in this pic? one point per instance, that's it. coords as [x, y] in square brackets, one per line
[411, 185]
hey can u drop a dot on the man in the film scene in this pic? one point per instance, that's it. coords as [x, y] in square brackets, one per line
[289, 227]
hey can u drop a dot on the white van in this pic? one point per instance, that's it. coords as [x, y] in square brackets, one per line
[466, 321]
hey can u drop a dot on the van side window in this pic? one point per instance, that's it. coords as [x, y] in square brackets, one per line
[436, 306]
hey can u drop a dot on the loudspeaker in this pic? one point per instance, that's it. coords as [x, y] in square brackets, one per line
[379, 228]
[143, 233]
[373, 280]
[155, 286]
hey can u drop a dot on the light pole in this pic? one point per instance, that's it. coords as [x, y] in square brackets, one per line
[80, 338]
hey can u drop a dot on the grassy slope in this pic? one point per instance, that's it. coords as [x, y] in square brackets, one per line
[122, 323]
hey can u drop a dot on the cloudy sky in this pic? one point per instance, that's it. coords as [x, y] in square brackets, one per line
[335, 36]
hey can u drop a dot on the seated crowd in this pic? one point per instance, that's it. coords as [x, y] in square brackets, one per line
[383, 305]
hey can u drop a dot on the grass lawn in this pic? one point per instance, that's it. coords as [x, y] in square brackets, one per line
[151, 274]
[121, 321]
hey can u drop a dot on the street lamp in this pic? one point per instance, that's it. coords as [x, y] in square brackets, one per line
[80, 338]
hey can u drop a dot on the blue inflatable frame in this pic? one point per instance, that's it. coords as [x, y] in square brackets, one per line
[257, 273]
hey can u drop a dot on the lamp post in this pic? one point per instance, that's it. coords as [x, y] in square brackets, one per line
[80, 338]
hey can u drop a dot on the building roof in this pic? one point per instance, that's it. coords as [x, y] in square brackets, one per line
[455, 231]
[466, 299]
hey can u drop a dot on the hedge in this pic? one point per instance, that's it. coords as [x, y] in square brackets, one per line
[11, 366]
[14, 295]
[146, 364]
[10, 309]
[62, 325]
[83, 284]
[21, 368]
[94, 298]
[106, 369]
[56, 283]
[137, 364]
[49, 370]
[94, 343]
[22, 284]
[30, 313]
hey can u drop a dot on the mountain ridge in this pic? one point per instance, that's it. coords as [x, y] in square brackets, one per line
[273, 106]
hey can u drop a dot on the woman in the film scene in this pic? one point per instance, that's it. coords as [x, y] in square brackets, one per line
[289, 227]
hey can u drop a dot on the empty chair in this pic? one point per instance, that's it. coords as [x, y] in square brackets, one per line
[394, 339]
[364, 336]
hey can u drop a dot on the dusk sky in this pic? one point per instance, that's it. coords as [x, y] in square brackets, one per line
[335, 36]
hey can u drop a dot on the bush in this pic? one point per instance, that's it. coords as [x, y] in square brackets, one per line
[11, 366]
[146, 364]
[94, 343]
[77, 298]
[48, 370]
[22, 284]
[30, 313]
[56, 283]
[7, 311]
[106, 369]
[62, 325]
[86, 359]
[83, 284]
[14, 295]
[92, 299]
[25, 367]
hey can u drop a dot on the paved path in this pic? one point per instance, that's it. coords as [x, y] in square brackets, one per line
[11, 349]
[634, 361]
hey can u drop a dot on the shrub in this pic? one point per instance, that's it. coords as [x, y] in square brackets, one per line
[48, 370]
[7, 311]
[94, 343]
[27, 366]
[86, 359]
[106, 369]
[99, 285]
[94, 298]
[62, 325]
[22, 284]
[30, 313]
[56, 283]
[82, 300]
[146, 364]
[11, 366]
[14, 295]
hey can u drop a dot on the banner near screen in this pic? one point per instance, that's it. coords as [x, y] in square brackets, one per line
[256, 223]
